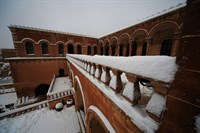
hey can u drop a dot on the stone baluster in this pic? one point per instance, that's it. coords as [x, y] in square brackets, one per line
[98, 72]
[92, 71]
[134, 81]
[85, 66]
[105, 76]
[116, 82]
[88, 67]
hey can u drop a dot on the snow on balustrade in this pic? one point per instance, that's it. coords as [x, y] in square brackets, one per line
[137, 114]
[161, 68]
[157, 104]
[92, 71]
[97, 73]
[128, 91]
[113, 82]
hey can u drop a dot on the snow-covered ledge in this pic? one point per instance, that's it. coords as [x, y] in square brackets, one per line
[159, 68]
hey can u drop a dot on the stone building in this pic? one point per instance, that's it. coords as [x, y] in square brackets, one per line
[40, 54]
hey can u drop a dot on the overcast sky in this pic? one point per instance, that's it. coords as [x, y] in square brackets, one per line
[90, 17]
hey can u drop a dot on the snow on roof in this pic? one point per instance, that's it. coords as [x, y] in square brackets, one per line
[46, 30]
[42, 121]
[162, 68]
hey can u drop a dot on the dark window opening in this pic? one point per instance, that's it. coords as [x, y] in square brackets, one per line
[70, 48]
[166, 47]
[45, 48]
[144, 49]
[79, 50]
[113, 51]
[95, 50]
[106, 48]
[121, 51]
[29, 48]
[61, 49]
[127, 50]
[134, 48]
[61, 72]
[41, 90]
[89, 50]
[101, 50]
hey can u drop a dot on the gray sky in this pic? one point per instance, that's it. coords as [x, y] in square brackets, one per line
[90, 17]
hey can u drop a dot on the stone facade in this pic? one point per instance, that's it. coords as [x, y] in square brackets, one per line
[41, 55]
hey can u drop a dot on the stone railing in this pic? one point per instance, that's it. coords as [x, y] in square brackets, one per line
[26, 109]
[56, 95]
[128, 85]
[9, 90]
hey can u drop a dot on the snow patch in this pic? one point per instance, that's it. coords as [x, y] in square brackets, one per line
[156, 104]
[113, 82]
[128, 90]
[42, 121]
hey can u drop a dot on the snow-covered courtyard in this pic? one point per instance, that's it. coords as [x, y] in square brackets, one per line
[42, 121]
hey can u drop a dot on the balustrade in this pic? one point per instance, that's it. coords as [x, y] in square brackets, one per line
[130, 90]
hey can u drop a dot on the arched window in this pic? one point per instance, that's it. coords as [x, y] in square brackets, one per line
[144, 49]
[89, 50]
[95, 50]
[166, 47]
[79, 49]
[134, 48]
[60, 49]
[70, 48]
[29, 48]
[45, 49]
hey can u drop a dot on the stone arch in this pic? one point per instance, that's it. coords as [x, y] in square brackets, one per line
[163, 31]
[124, 44]
[161, 24]
[96, 121]
[59, 42]
[138, 42]
[28, 39]
[44, 40]
[79, 95]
